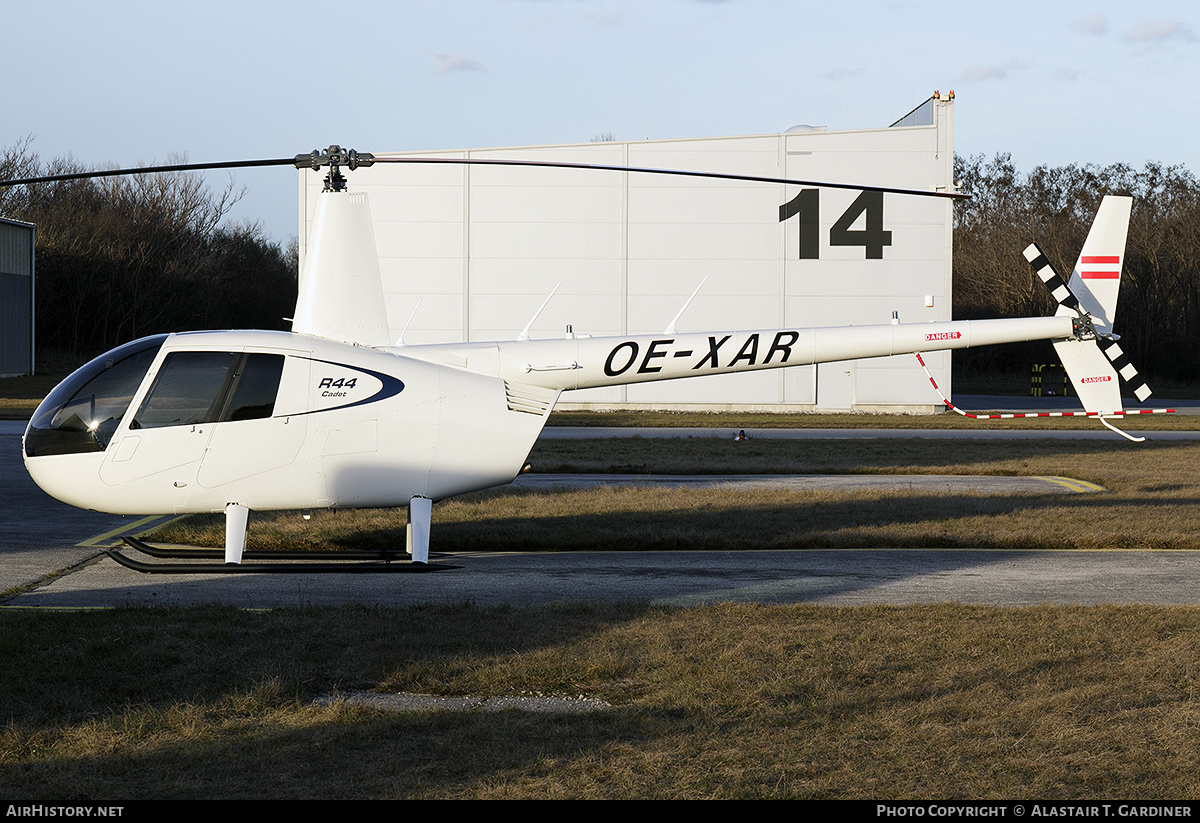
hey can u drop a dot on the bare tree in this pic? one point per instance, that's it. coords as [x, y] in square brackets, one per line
[123, 257]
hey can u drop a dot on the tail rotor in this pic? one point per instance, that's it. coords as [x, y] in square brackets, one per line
[1091, 293]
[1085, 369]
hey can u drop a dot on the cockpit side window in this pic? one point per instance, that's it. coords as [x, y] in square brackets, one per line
[258, 383]
[185, 391]
[209, 387]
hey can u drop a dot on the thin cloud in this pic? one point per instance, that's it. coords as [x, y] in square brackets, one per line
[1150, 32]
[1095, 24]
[446, 63]
[978, 73]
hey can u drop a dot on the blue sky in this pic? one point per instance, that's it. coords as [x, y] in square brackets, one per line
[129, 82]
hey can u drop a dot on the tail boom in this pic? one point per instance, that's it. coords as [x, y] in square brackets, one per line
[587, 362]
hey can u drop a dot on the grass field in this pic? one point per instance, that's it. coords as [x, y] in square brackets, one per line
[728, 701]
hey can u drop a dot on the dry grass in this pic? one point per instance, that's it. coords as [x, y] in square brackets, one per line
[1113, 463]
[858, 420]
[20, 396]
[720, 702]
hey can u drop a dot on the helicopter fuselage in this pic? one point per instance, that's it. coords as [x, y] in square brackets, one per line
[192, 422]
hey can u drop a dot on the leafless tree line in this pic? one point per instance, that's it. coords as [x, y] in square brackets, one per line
[123, 257]
[1158, 313]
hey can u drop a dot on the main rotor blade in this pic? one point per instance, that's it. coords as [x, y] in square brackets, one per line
[86, 175]
[479, 161]
[302, 161]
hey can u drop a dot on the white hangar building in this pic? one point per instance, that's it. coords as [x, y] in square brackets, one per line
[481, 248]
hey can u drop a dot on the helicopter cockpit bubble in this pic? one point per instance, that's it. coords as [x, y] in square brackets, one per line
[83, 411]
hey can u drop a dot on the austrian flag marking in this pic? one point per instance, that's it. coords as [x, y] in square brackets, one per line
[1100, 267]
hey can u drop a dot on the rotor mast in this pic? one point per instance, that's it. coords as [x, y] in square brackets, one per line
[341, 293]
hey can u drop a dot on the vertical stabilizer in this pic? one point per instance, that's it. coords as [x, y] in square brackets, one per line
[1097, 275]
[1093, 377]
[341, 293]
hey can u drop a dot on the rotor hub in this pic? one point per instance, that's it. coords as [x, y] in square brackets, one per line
[334, 157]
[1083, 327]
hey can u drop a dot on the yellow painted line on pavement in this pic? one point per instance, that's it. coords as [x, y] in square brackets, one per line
[127, 528]
[1074, 485]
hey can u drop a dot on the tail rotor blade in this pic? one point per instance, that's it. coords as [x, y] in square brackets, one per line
[1124, 367]
[1058, 287]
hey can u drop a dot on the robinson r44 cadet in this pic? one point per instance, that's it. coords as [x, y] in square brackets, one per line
[334, 415]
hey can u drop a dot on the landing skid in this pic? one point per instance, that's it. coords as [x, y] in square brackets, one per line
[392, 562]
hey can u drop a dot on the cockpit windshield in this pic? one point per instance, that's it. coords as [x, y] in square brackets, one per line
[190, 388]
[83, 411]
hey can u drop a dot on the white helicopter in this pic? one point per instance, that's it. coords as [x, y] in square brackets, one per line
[333, 415]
